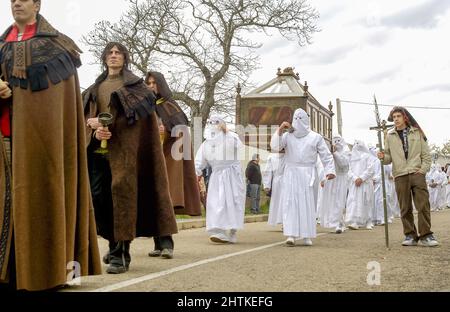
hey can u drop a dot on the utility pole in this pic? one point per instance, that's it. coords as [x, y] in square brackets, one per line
[339, 116]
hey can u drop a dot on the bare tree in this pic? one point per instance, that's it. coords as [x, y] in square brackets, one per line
[445, 150]
[203, 46]
[442, 151]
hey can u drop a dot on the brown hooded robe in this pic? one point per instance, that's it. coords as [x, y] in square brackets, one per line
[140, 192]
[46, 203]
[182, 177]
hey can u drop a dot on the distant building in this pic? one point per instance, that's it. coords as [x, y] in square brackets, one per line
[275, 102]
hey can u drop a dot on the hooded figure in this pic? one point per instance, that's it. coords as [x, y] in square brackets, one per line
[442, 188]
[378, 208]
[167, 109]
[361, 191]
[391, 195]
[225, 204]
[272, 177]
[434, 181]
[447, 192]
[301, 124]
[213, 128]
[302, 148]
[334, 192]
[177, 148]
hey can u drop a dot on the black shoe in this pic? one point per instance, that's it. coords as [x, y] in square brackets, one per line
[119, 258]
[116, 269]
[155, 253]
[106, 258]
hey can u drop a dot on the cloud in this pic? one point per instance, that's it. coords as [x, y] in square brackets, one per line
[381, 76]
[327, 57]
[273, 43]
[438, 87]
[425, 15]
[378, 38]
[357, 127]
[330, 80]
[330, 12]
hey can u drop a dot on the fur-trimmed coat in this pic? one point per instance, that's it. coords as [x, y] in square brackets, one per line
[46, 204]
[142, 206]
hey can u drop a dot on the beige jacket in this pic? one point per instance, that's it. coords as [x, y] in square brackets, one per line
[419, 157]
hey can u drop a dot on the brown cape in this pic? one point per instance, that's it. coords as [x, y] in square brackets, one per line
[141, 201]
[182, 177]
[46, 205]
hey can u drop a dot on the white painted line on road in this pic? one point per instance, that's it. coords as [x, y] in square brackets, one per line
[153, 276]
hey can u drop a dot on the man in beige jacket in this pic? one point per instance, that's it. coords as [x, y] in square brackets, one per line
[407, 150]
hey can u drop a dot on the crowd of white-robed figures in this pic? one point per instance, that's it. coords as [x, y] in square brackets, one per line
[438, 181]
[307, 181]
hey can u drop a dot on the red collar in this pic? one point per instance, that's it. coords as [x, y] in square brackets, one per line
[30, 31]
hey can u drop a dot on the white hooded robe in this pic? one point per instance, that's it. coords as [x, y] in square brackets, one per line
[272, 176]
[225, 206]
[298, 199]
[360, 199]
[334, 193]
[378, 207]
[433, 176]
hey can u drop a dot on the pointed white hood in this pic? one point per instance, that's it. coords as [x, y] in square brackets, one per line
[373, 151]
[359, 149]
[433, 169]
[340, 143]
[301, 123]
[213, 128]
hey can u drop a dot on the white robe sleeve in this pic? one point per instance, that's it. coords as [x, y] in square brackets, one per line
[388, 171]
[369, 172]
[351, 175]
[277, 143]
[320, 170]
[377, 171]
[326, 157]
[200, 161]
[268, 174]
[237, 141]
[444, 179]
[428, 178]
[341, 159]
[440, 178]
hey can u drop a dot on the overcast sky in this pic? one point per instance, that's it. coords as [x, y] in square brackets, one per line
[398, 50]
